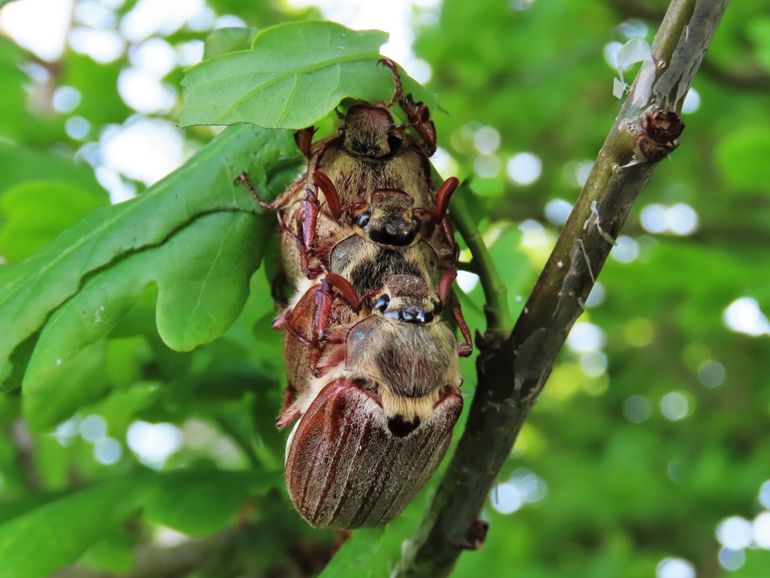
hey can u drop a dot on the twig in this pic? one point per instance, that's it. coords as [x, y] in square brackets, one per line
[512, 371]
[498, 315]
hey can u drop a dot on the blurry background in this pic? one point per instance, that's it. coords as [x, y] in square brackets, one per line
[647, 454]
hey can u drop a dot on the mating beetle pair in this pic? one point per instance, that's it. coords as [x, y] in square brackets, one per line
[372, 365]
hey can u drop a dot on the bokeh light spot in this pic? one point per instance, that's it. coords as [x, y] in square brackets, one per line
[557, 211]
[108, 451]
[760, 530]
[153, 443]
[744, 316]
[674, 406]
[65, 99]
[637, 409]
[675, 568]
[691, 101]
[486, 139]
[586, 337]
[524, 168]
[764, 495]
[92, 428]
[734, 532]
[626, 250]
[731, 559]
[711, 373]
[506, 498]
[638, 332]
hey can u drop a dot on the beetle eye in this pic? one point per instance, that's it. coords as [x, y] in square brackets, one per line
[381, 303]
[363, 219]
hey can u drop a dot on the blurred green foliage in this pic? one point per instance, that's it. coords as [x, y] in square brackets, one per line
[640, 445]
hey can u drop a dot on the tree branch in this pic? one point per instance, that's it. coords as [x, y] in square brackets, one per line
[513, 371]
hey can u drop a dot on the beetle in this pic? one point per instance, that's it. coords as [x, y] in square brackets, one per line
[318, 322]
[358, 266]
[371, 153]
[376, 423]
[389, 219]
[369, 357]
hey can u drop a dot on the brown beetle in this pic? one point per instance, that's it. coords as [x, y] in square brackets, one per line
[376, 424]
[370, 154]
[319, 322]
[373, 368]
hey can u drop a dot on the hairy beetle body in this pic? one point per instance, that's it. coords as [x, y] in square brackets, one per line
[373, 367]
[344, 467]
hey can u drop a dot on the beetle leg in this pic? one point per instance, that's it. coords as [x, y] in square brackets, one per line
[463, 349]
[288, 411]
[310, 209]
[449, 236]
[323, 304]
[325, 184]
[445, 284]
[279, 201]
[324, 299]
[304, 139]
[354, 207]
[285, 228]
[398, 91]
[303, 251]
[417, 113]
[287, 416]
[348, 292]
[443, 195]
[286, 321]
[419, 118]
[445, 294]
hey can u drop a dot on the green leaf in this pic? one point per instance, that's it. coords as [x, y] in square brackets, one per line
[38, 542]
[46, 534]
[19, 164]
[112, 236]
[56, 395]
[112, 554]
[199, 503]
[355, 557]
[224, 40]
[35, 212]
[202, 274]
[295, 74]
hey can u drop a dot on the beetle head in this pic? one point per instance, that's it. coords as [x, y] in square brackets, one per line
[407, 299]
[369, 131]
[389, 219]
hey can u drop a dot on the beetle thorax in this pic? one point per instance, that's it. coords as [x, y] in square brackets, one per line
[369, 132]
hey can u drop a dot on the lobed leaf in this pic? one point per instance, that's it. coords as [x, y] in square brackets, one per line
[202, 274]
[224, 40]
[294, 75]
[30, 291]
